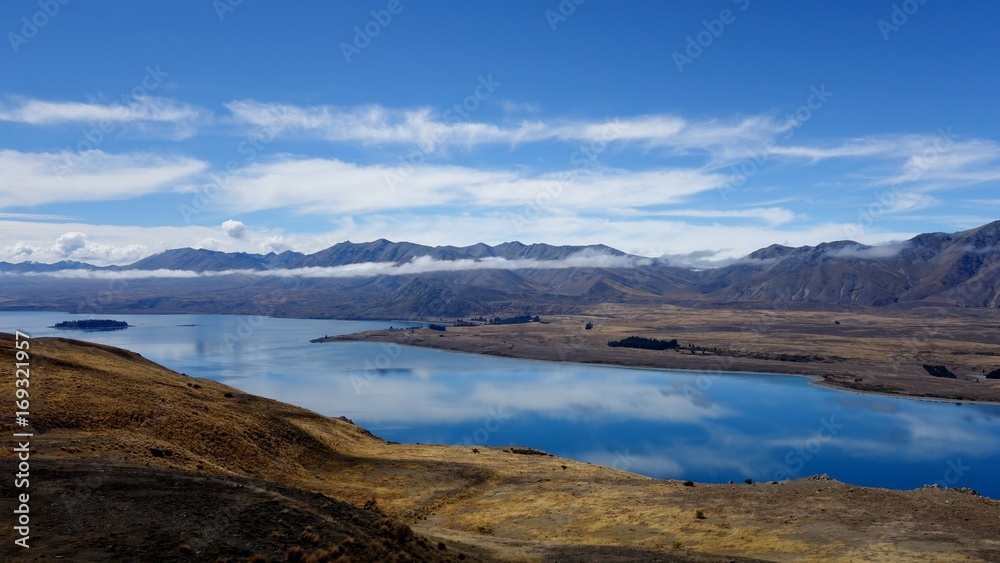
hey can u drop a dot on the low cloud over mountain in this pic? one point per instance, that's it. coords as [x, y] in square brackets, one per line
[399, 279]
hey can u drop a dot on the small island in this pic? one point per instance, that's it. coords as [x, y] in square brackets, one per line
[92, 324]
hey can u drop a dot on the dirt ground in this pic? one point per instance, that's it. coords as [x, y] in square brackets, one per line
[866, 350]
[151, 454]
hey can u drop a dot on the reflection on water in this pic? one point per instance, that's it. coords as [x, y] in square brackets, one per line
[663, 424]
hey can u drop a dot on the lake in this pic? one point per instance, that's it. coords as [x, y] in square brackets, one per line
[677, 425]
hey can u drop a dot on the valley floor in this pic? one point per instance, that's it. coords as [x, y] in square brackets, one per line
[866, 350]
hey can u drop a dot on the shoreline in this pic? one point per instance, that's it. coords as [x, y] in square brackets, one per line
[815, 380]
[824, 375]
[869, 376]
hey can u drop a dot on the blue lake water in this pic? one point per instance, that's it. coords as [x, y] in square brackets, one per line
[678, 425]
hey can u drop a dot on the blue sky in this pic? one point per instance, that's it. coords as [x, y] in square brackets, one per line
[698, 130]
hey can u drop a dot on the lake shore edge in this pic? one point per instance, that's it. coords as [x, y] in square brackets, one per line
[866, 377]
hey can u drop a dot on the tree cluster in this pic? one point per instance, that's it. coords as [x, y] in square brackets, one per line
[644, 343]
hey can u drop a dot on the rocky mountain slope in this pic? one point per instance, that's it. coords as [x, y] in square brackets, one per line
[936, 269]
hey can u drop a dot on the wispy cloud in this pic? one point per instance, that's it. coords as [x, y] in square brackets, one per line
[960, 165]
[850, 149]
[35, 217]
[426, 127]
[770, 215]
[883, 251]
[324, 186]
[145, 113]
[419, 265]
[39, 178]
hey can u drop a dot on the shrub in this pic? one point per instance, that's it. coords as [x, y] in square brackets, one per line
[441, 328]
[486, 529]
[394, 529]
[688, 483]
[515, 320]
[644, 343]
[699, 515]
[995, 374]
[940, 371]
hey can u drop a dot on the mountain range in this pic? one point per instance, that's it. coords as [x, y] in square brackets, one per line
[935, 269]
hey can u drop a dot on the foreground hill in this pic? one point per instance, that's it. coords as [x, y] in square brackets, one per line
[937, 269]
[132, 461]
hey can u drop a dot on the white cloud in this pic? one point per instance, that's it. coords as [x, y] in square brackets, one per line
[699, 259]
[41, 178]
[904, 202]
[35, 216]
[113, 244]
[21, 249]
[424, 127]
[142, 112]
[69, 243]
[419, 265]
[372, 124]
[234, 229]
[961, 165]
[889, 250]
[770, 215]
[335, 187]
[274, 243]
[75, 245]
[852, 148]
